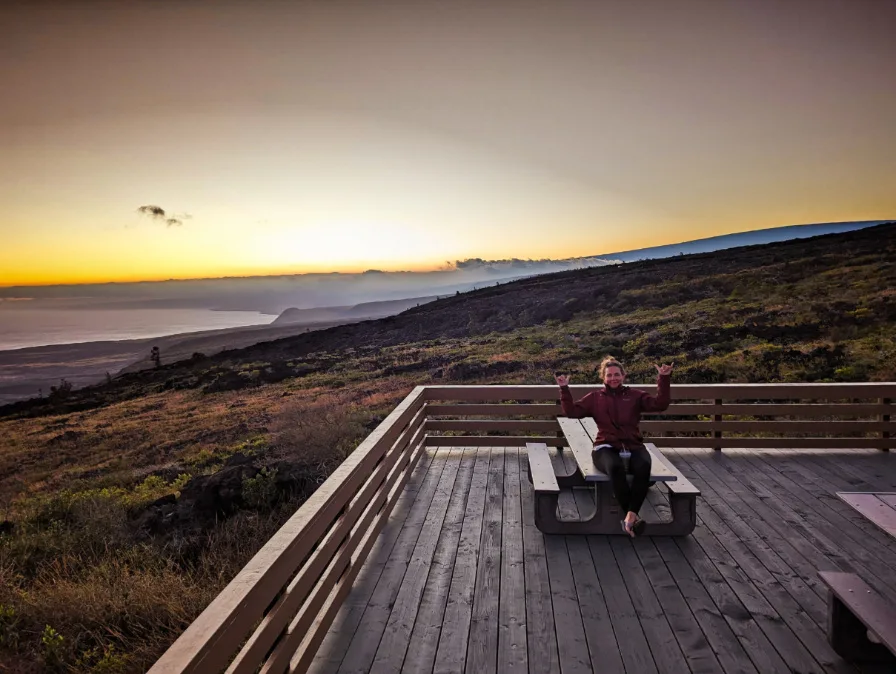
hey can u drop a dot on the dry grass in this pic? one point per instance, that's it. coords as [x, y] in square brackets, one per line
[134, 598]
[114, 602]
[42, 455]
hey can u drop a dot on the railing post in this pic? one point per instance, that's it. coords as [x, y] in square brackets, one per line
[718, 433]
[885, 435]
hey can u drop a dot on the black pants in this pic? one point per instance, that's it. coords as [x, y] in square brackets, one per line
[609, 461]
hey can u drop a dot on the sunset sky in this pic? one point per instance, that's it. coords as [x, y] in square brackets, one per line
[342, 136]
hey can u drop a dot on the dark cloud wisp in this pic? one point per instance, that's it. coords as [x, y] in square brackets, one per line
[158, 213]
[152, 211]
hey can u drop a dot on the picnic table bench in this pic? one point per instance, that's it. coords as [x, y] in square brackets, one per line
[861, 623]
[547, 484]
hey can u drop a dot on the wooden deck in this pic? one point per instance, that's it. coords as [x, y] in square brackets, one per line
[461, 580]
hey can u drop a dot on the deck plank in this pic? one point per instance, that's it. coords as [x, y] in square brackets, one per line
[821, 533]
[633, 648]
[452, 650]
[865, 464]
[667, 653]
[815, 476]
[725, 644]
[799, 641]
[362, 649]
[741, 621]
[334, 645]
[596, 618]
[693, 643]
[824, 511]
[421, 651]
[571, 644]
[772, 590]
[788, 566]
[482, 644]
[822, 516]
[541, 637]
[771, 596]
[512, 644]
[397, 632]
[800, 554]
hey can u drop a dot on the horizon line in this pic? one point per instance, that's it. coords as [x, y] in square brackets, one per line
[425, 270]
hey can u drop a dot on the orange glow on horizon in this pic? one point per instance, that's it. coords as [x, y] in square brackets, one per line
[29, 276]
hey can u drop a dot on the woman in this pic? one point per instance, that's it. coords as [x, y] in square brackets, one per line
[617, 410]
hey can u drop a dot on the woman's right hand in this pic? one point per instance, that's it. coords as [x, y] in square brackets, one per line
[562, 379]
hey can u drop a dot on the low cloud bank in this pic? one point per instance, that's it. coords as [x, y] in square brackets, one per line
[273, 294]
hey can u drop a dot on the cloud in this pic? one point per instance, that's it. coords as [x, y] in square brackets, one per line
[512, 263]
[155, 212]
[159, 213]
[516, 265]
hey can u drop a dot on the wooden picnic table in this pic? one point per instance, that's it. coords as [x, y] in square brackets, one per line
[579, 435]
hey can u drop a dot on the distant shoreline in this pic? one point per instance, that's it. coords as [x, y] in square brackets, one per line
[27, 371]
[54, 325]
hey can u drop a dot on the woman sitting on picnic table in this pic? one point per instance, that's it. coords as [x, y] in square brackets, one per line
[617, 410]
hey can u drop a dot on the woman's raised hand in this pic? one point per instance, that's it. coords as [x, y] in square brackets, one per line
[664, 369]
[562, 379]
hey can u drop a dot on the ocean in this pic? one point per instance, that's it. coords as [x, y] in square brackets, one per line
[25, 327]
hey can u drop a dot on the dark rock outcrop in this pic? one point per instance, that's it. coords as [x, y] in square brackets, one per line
[206, 499]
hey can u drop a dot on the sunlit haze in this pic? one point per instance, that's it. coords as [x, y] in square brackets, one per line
[319, 136]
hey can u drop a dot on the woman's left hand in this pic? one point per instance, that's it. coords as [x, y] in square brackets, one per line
[664, 370]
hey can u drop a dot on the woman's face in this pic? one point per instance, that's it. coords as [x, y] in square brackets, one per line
[613, 377]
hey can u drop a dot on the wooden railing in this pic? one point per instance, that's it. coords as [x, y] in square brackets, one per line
[275, 612]
[811, 416]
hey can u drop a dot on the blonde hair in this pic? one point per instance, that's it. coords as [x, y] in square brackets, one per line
[609, 361]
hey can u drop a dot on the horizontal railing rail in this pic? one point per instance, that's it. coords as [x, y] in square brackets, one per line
[819, 416]
[828, 391]
[274, 614]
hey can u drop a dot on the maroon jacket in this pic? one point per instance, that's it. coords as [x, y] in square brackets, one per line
[617, 411]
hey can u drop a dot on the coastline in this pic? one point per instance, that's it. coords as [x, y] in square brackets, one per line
[27, 372]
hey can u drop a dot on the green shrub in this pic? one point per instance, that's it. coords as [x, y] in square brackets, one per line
[261, 491]
[9, 621]
[53, 649]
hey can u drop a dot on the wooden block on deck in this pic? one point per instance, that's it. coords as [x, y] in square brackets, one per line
[853, 610]
[877, 507]
[541, 469]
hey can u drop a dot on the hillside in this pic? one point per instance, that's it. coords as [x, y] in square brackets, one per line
[351, 312]
[738, 239]
[110, 540]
